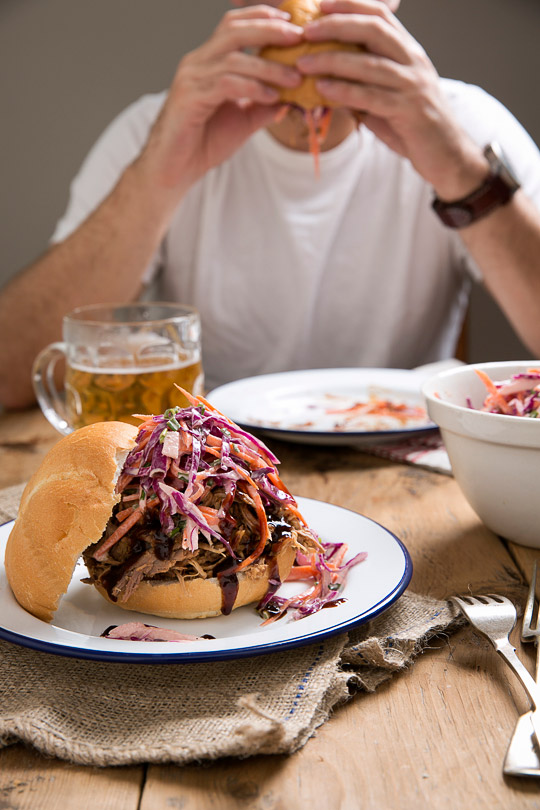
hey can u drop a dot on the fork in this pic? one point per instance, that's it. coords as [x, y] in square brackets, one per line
[494, 617]
[521, 758]
[528, 632]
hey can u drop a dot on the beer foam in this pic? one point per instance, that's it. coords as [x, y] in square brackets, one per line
[149, 369]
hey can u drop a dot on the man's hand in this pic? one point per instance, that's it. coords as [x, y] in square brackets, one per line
[221, 94]
[394, 84]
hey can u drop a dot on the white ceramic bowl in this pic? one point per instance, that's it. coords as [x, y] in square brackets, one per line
[495, 458]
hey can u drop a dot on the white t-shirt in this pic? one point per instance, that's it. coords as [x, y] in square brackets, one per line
[289, 271]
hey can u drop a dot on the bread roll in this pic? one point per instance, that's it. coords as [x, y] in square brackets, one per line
[64, 509]
[306, 94]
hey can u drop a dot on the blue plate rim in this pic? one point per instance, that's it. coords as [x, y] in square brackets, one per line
[200, 656]
[401, 433]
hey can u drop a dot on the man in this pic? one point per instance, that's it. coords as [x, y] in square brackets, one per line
[210, 182]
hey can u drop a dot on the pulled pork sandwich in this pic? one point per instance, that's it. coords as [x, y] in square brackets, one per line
[316, 109]
[185, 518]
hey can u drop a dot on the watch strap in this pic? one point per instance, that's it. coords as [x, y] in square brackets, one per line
[496, 190]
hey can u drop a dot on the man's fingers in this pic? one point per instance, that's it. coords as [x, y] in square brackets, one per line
[235, 33]
[373, 7]
[377, 101]
[365, 68]
[230, 87]
[373, 32]
[265, 70]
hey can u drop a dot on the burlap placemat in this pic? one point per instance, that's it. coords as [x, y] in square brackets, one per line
[116, 714]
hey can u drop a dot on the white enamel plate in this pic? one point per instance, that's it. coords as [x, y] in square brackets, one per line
[311, 406]
[371, 587]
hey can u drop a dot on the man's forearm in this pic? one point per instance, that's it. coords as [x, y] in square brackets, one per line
[506, 248]
[102, 261]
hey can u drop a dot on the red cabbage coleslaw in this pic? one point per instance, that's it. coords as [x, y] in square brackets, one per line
[517, 396]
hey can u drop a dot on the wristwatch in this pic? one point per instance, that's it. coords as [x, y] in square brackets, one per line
[497, 189]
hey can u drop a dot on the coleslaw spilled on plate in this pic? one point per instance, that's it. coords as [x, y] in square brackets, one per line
[327, 572]
[321, 411]
[377, 413]
[517, 396]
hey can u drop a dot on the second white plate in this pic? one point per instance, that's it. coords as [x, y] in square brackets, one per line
[297, 405]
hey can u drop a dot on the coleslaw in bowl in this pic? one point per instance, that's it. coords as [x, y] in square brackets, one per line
[495, 455]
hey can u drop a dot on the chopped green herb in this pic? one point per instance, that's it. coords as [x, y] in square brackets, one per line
[334, 586]
[180, 526]
[173, 424]
[162, 435]
[171, 412]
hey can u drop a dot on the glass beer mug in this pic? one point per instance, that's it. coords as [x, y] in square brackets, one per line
[120, 360]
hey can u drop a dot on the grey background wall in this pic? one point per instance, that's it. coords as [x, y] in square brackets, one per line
[68, 66]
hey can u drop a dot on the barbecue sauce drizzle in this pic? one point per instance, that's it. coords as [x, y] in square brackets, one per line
[228, 580]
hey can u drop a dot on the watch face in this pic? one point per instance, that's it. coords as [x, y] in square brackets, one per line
[458, 215]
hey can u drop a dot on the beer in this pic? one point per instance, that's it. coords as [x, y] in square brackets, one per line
[120, 360]
[105, 394]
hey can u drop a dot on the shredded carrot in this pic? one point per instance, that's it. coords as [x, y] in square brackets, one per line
[120, 516]
[264, 531]
[301, 572]
[324, 124]
[124, 527]
[497, 398]
[313, 140]
[210, 515]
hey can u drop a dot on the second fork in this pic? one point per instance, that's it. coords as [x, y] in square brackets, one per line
[521, 757]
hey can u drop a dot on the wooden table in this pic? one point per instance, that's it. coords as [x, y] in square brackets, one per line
[433, 737]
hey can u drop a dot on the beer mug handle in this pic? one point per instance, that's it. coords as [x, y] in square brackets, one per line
[52, 403]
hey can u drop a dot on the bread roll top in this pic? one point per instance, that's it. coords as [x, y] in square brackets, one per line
[64, 508]
[306, 94]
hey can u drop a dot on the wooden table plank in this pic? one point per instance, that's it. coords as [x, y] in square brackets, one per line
[525, 559]
[29, 781]
[25, 437]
